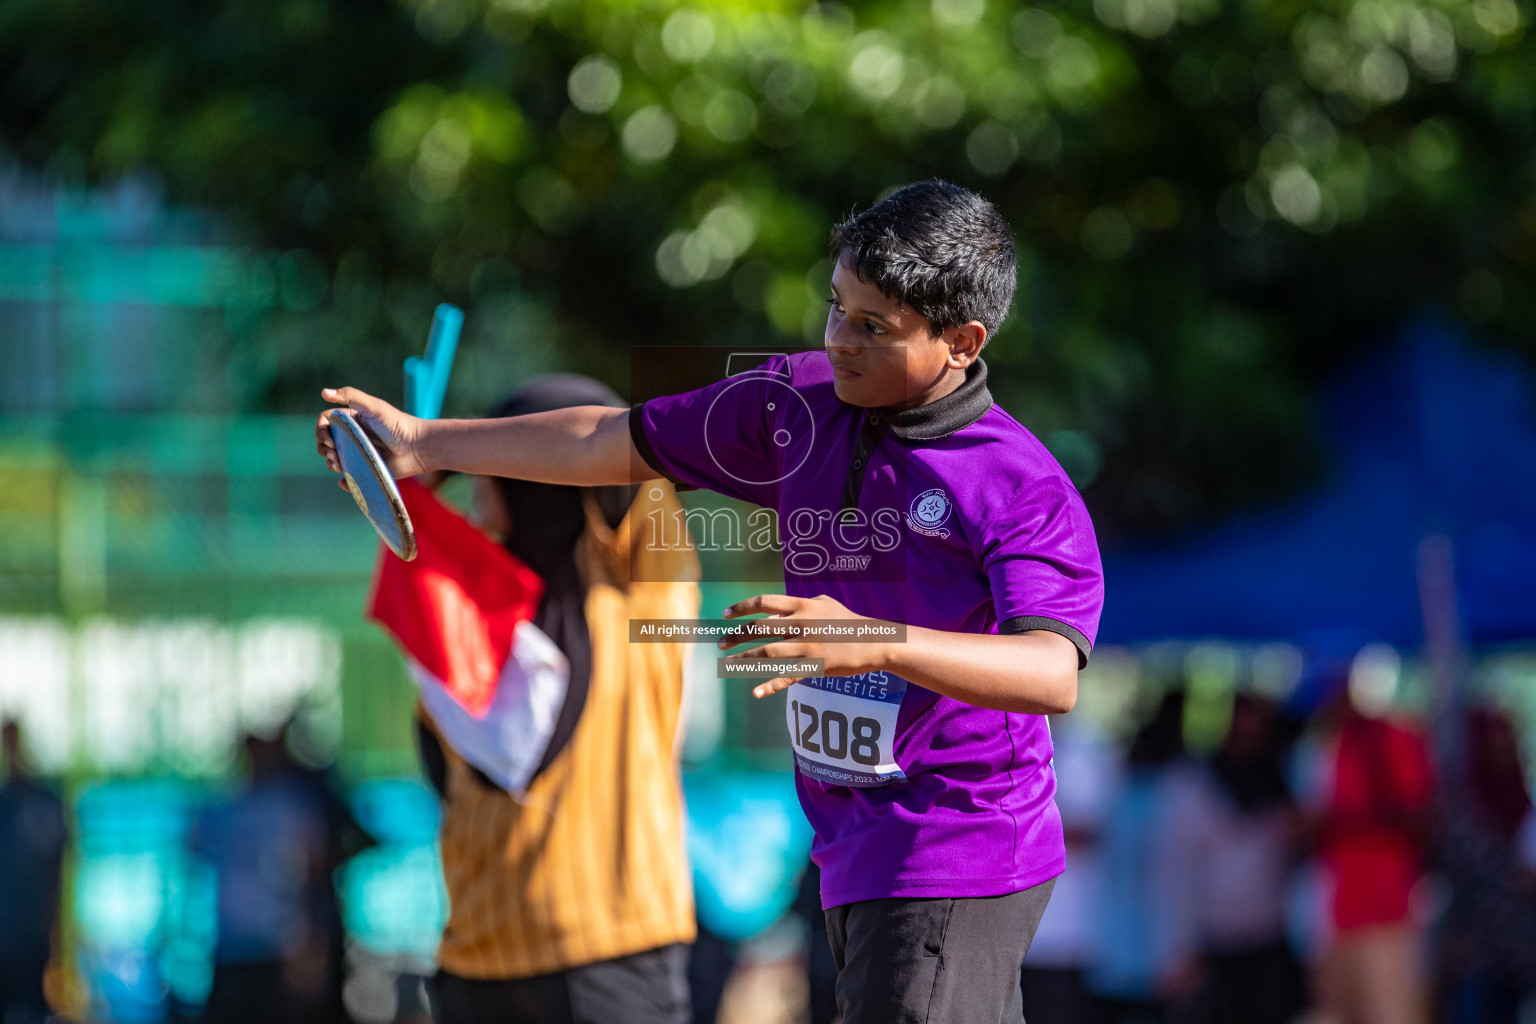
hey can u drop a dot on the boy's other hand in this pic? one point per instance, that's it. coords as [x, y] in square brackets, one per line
[392, 432]
[842, 659]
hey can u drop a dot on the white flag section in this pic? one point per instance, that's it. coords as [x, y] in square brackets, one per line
[508, 741]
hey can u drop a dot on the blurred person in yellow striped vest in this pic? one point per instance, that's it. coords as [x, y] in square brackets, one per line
[570, 895]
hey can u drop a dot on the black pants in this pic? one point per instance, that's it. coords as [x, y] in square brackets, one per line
[21, 991]
[247, 994]
[1055, 995]
[645, 988]
[1259, 986]
[948, 961]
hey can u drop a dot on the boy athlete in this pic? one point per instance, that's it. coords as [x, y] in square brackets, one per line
[924, 765]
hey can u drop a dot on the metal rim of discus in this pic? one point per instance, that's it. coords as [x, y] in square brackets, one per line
[357, 454]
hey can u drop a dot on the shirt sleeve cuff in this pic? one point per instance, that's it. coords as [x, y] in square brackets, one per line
[643, 446]
[1025, 623]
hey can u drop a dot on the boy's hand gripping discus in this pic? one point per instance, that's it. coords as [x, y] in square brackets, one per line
[369, 480]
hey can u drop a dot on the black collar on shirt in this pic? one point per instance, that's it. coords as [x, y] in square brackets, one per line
[955, 411]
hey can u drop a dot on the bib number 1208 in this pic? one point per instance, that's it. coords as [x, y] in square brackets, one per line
[858, 740]
[843, 728]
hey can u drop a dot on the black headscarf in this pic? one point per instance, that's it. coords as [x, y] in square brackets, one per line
[1254, 778]
[1161, 740]
[546, 522]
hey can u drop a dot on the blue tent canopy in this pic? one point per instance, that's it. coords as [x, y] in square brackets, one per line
[1431, 435]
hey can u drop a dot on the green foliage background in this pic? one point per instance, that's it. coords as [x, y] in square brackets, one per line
[1216, 200]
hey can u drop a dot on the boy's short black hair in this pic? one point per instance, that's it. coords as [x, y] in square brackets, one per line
[939, 248]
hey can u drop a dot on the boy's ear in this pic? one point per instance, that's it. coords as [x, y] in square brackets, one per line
[965, 342]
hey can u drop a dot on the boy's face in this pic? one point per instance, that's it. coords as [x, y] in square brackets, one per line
[883, 352]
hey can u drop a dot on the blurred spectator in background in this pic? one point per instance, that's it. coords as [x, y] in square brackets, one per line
[272, 850]
[1088, 769]
[1234, 836]
[1371, 805]
[344, 838]
[32, 839]
[820, 967]
[1488, 933]
[573, 901]
[711, 963]
[1141, 929]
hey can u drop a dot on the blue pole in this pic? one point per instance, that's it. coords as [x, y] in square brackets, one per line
[442, 344]
[426, 380]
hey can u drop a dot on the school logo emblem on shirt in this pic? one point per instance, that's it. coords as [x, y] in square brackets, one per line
[929, 511]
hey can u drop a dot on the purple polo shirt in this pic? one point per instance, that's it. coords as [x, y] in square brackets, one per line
[951, 516]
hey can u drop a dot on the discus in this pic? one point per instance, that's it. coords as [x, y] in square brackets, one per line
[372, 486]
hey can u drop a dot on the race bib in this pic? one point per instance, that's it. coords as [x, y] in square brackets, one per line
[843, 728]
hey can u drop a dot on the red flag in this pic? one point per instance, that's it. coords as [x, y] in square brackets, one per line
[456, 607]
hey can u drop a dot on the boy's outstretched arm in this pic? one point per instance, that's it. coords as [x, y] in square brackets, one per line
[583, 446]
[1033, 672]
